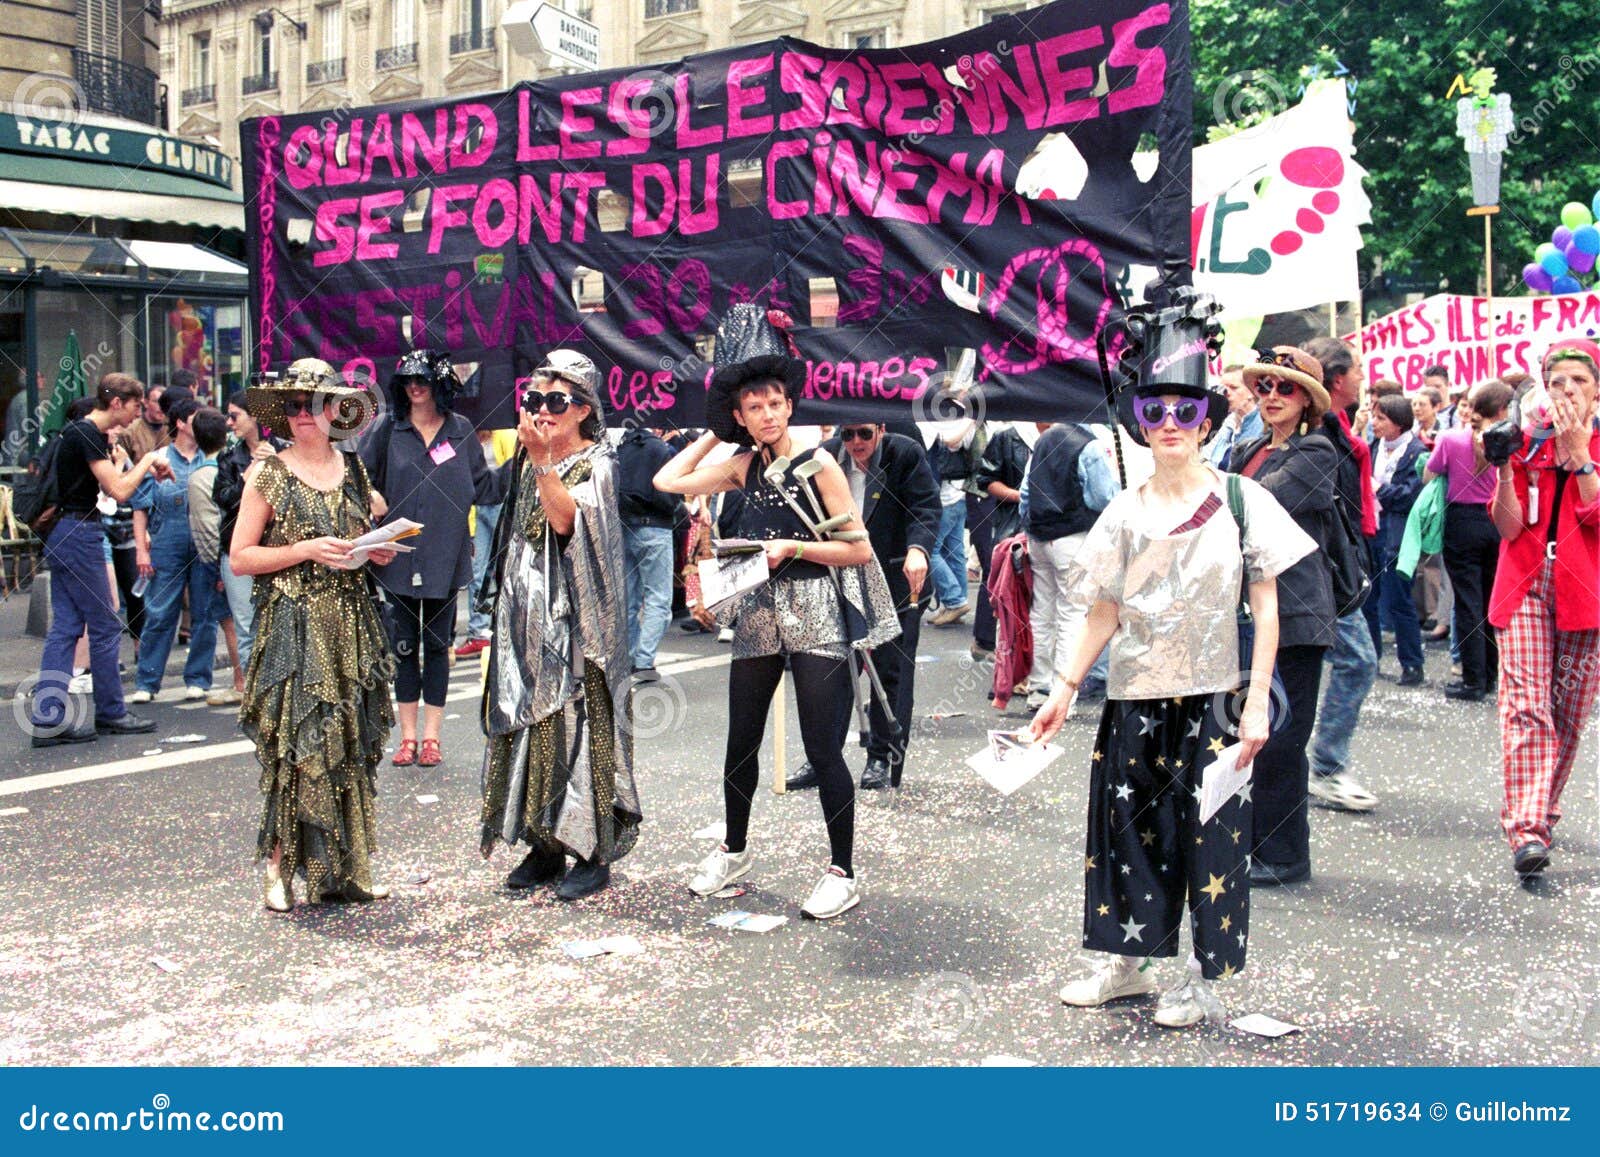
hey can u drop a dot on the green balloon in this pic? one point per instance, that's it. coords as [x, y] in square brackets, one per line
[1575, 215]
[1543, 251]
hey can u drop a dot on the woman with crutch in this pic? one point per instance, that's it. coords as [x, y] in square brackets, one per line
[801, 612]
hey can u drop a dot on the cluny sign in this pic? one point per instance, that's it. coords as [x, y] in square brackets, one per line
[94, 142]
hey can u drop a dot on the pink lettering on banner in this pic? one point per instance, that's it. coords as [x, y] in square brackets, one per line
[742, 95]
[1150, 64]
[1045, 322]
[267, 134]
[1471, 341]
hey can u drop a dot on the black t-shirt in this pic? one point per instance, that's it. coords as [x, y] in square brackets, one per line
[82, 442]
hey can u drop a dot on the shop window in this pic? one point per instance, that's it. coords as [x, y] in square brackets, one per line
[202, 335]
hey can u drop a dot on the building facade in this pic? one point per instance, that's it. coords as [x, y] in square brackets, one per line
[117, 238]
[229, 60]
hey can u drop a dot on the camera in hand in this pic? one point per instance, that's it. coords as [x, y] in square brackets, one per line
[1502, 440]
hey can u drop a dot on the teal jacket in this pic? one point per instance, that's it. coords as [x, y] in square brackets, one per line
[1424, 528]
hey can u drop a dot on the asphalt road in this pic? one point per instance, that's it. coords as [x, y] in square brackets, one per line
[132, 931]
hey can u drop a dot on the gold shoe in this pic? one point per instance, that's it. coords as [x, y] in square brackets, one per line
[280, 894]
[354, 893]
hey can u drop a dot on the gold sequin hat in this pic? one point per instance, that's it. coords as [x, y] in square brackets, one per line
[353, 407]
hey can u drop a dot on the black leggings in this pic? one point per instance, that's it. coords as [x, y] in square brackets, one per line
[126, 566]
[822, 697]
[433, 622]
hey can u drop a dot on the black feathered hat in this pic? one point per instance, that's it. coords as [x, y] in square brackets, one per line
[753, 345]
[431, 366]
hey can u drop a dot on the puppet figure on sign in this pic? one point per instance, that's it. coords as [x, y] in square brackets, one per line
[1483, 121]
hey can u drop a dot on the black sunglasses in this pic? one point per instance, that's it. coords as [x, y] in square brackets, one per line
[556, 401]
[1268, 386]
[294, 407]
[854, 433]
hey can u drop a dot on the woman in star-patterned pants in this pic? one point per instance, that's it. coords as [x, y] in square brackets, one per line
[1146, 853]
[1159, 578]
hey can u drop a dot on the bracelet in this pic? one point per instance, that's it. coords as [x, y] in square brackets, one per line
[1071, 683]
[799, 551]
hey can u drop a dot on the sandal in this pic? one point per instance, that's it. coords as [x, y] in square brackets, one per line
[406, 754]
[431, 755]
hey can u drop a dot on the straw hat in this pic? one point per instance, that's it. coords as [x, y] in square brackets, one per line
[1289, 364]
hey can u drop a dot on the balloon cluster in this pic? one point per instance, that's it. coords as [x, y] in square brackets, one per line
[1570, 252]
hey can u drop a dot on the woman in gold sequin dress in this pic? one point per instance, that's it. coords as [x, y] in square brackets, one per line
[316, 699]
[557, 706]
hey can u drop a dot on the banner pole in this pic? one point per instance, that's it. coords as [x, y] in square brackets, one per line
[1333, 319]
[780, 727]
[1488, 290]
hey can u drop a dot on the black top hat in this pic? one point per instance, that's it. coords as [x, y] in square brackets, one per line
[753, 345]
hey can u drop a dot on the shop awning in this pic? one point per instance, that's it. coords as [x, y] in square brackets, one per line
[114, 192]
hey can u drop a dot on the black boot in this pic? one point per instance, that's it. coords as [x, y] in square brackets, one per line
[539, 866]
[804, 777]
[876, 776]
[584, 879]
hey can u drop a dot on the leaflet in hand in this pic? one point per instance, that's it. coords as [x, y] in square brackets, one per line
[1221, 781]
[1011, 761]
[386, 537]
[724, 579]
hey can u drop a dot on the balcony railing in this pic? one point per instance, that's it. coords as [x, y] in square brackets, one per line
[200, 94]
[323, 71]
[653, 8]
[481, 40]
[112, 86]
[395, 56]
[262, 82]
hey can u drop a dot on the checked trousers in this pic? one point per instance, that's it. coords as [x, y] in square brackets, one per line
[1548, 681]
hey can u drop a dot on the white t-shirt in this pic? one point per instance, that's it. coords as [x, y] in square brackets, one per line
[1177, 595]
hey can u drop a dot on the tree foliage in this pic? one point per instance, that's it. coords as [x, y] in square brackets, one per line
[1403, 56]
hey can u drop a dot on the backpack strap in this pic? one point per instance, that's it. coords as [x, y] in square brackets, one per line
[1236, 508]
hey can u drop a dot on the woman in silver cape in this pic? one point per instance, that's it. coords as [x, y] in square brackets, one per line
[557, 709]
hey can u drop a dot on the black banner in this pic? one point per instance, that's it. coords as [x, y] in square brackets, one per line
[900, 204]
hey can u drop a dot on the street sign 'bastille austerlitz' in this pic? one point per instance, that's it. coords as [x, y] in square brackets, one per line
[900, 205]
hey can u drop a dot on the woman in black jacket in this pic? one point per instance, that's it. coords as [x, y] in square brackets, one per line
[1298, 468]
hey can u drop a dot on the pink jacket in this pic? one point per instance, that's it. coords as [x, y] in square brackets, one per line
[1011, 595]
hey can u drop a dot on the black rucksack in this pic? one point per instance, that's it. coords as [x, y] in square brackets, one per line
[36, 497]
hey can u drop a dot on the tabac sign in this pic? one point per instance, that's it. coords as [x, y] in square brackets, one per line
[88, 141]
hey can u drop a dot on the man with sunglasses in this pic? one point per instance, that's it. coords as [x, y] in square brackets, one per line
[892, 487]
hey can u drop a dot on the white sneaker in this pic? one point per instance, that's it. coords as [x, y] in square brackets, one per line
[1113, 978]
[725, 635]
[81, 684]
[194, 693]
[834, 895]
[1341, 792]
[1188, 1003]
[223, 697]
[720, 869]
[139, 696]
[1037, 699]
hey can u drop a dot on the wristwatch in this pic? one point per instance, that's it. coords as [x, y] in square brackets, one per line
[1584, 470]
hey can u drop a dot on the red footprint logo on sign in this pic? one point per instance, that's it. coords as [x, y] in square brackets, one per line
[1311, 168]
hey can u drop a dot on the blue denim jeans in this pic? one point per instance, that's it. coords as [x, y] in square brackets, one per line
[1389, 605]
[1352, 667]
[648, 552]
[80, 597]
[949, 563]
[482, 543]
[177, 568]
[240, 590]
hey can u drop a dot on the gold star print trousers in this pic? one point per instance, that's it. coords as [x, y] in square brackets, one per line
[1148, 854]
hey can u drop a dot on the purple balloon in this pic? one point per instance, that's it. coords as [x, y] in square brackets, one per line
[1579, 261]
[1536, 279]
[1562, 237]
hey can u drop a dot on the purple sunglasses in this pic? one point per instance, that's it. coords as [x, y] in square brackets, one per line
[1152, 413]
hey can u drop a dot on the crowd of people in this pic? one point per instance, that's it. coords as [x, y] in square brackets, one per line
[1220, 565]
